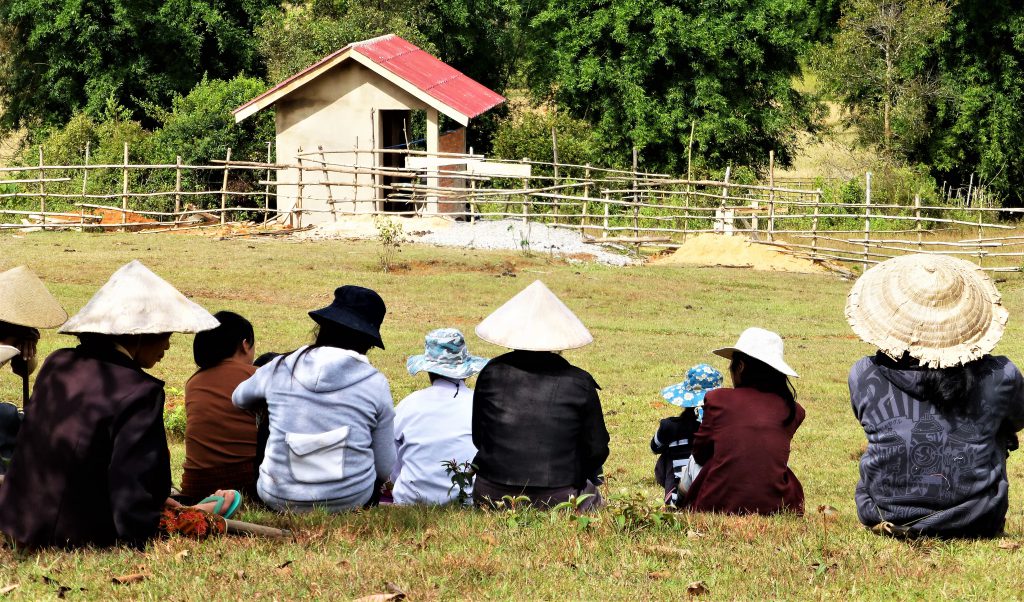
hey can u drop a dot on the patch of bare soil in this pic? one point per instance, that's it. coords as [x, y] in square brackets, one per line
[738, 252]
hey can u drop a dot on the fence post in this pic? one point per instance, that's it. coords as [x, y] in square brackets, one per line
[867, 218]
[177, 188]
[586, 195]
[554, 159]
[42, 189]
[771, 196]
[266, 191]
[604, 230]
[224, 188]
[85, 180]
[721, 206]
[124, 191]
[814, 225]
[981, 252]
[295, 219]
[526, 195]
[636, 203]
[327, 182]
[917, 218]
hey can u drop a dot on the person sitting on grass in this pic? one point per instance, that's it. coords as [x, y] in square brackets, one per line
[91, 466]
[537, 420]
[25, 307]
[220, 439]
[940, 414]
[435, 424]
[673, 442]
[331, 443]
[742, 446]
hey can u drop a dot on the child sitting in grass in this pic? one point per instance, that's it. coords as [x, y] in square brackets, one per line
[674, 439]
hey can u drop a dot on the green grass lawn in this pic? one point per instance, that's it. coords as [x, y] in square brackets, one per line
[649, 324]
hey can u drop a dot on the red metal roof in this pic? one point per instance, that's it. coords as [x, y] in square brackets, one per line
[410, 63]
[434, 77]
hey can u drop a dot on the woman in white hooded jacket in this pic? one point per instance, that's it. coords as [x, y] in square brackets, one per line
[331, 413]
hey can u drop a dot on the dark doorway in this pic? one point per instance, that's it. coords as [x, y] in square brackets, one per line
[395, 134]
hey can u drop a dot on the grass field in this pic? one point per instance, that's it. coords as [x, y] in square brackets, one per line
[649, 323]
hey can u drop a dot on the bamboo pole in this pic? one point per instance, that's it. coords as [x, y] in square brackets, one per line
[867, 217]
[526, 186]
[689, 176]
[327, 180]
[224, 189]
[554, 154]
[814, 229]
[266, 191]
[124, 190]
[177, 185]
[604, 229]
[295, 220]
[917, 219]
[42, 187]
[771, 196]
[636, 202]
[586, 193]
[85, 179]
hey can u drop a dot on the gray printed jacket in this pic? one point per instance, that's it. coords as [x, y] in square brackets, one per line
[942, 475]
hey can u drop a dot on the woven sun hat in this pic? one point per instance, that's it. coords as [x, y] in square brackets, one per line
[356, 308]
[136, 301]
[941, 310]
[534, 320]
[690, 393]
[760, 344]
[25, 301]
[445, 353]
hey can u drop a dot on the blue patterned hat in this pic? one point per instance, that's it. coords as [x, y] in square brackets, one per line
[446, 354]
[690, 393]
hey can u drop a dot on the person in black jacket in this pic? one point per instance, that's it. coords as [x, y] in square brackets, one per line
[91, 466]
[537, 419]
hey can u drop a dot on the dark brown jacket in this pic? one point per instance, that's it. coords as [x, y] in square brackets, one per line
[743, 449]
[537, 422]
[91, 466]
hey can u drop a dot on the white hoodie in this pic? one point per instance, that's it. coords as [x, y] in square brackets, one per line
[331, 426]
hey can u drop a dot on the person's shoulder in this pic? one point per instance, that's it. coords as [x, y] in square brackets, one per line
[1001, 367]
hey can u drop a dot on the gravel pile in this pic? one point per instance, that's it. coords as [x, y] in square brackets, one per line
[515, 235]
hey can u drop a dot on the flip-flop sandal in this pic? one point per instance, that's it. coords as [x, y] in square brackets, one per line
[219, 499]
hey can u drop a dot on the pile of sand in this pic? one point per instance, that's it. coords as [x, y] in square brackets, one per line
[738, 252]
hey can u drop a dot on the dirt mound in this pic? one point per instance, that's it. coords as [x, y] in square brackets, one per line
[738, 252]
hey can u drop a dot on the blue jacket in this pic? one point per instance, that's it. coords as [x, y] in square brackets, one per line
[331, 427]
[938, 474]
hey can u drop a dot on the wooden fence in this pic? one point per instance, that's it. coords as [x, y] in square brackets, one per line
[607, 206]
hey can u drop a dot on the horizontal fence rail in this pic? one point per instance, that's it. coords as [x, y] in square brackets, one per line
[606, 206]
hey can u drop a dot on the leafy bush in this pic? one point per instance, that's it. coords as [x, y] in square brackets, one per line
[174, 420]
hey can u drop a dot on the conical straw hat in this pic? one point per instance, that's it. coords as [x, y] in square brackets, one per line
[534, 320]
[25, 301]
[941, 310]
[137, 301]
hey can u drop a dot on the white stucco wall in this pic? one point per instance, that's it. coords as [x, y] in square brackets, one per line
[338, 110]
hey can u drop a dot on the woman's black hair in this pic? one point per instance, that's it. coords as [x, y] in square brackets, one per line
[329, 334]
[212, 347]
[948, 389]
[759, 375]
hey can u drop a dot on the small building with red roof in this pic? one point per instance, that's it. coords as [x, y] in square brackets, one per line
[350, 105]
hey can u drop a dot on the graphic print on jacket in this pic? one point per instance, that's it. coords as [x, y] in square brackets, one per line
[922, 466]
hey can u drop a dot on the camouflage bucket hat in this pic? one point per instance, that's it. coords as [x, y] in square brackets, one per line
[446, 354]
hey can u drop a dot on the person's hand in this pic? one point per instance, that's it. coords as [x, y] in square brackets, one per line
[25, 363]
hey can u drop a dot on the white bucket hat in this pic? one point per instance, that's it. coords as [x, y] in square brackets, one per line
[534, 320]
[760, 344]
[137, 301]
[941, 310]
[25, 301]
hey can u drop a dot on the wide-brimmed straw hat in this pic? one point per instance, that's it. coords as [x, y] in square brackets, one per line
[941, 310]
[690, 393]
[760, 344]
[25, 301]
[445, 353]
[356, 308]
[136, 301]
[534, 320]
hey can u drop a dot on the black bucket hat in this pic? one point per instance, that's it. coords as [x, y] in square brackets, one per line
[357, 308]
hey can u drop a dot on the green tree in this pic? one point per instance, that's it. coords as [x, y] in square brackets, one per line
[65, 56]
[296, 36]
[642, 70]
[979, 128]
[881, 66]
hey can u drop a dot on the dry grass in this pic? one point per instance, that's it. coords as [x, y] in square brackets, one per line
[650, 324]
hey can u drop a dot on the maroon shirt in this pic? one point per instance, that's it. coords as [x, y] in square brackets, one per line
[91, 466]
[743, 448]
